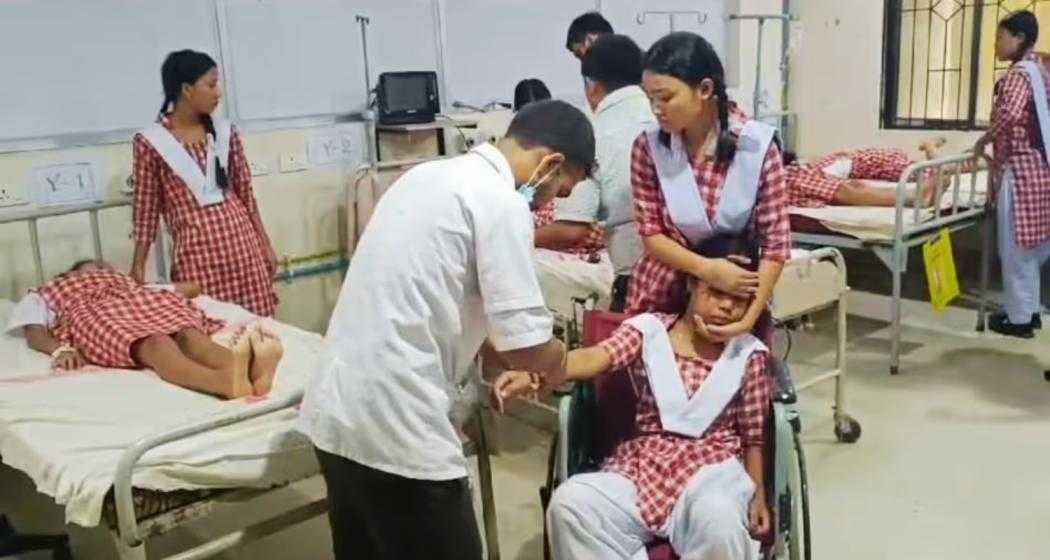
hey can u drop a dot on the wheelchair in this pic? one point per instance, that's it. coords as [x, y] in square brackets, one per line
[595, 416]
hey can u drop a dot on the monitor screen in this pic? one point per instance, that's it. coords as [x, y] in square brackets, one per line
[406, 93]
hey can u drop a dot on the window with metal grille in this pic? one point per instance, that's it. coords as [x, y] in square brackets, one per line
[939, 64]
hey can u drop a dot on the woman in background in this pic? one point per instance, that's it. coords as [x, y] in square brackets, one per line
[529, 90]
[1020, 123]
[190, 169]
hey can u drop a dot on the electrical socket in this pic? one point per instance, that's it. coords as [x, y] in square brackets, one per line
[258, 169]
[291, 163]
[7, 198]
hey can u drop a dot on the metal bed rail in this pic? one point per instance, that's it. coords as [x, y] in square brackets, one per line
[914, 226]
[292, 267]
[964, 205]
[127, 522]
[33, 217]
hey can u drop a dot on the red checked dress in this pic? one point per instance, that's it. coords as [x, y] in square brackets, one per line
[1015, 132]
[661, 464]
[102, 314]
[216, 246]
[810, 187]
[593, 243]
[653, 284]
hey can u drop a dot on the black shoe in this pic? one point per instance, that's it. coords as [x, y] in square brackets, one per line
[1001, 324]
[1037, 321]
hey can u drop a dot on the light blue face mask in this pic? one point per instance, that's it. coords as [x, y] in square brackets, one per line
[528, 192]
[529, 189]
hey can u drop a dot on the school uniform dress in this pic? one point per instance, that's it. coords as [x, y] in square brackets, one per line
[815, 184]
[1020, 122]
[594, 242]
[427, 285]
[681, 477]
[215, 241]
[690, 203]
[103, 314]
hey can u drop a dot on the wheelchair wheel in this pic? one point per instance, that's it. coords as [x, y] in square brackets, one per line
[803, 490]
[847, 429]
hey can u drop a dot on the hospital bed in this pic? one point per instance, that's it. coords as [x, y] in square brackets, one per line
[160, 456]
[891, 232]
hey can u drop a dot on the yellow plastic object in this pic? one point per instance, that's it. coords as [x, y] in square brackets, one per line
[940, 270]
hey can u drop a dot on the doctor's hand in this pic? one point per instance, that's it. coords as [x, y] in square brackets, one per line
[759, 519]
[728, 276]
[514, 384]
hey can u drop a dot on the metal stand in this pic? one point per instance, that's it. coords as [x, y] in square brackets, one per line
[757, 103]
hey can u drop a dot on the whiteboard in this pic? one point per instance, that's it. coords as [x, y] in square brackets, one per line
[72, 66]
[296, 59]
[712, 23]
[492, 44]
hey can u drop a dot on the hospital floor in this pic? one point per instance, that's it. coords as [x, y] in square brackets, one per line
[952, 463]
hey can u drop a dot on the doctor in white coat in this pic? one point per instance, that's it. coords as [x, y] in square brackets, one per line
[445, 264]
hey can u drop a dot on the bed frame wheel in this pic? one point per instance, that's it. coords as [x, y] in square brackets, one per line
[847, 429]
[894, 370]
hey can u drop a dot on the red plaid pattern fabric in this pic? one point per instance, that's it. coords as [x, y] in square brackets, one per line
[878, 164]
[660, 464]
[809, 187]
[102, 313]
[652, 285]
[216, 246]
[1015, 134]
[593, 243]
[544, 215]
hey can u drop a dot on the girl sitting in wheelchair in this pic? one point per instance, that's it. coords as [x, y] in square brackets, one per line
[693, 471]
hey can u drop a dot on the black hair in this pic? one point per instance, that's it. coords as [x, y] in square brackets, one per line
[790, 158]
[614, 61]
[691, 59]
[186, 67]
[556, 125]
[582, 26]
[722, 246]
[1022, 23]
[529, 90]
[81, 264]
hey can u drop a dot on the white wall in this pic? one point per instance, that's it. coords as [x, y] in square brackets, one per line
[836, 75]
[302, 212]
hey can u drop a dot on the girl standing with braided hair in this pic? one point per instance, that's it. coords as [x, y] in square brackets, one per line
[190, 168]
[706, 170]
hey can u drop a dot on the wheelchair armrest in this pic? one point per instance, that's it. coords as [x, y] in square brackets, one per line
[784, 386]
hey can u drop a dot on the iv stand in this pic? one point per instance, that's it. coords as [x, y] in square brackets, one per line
[369, 114]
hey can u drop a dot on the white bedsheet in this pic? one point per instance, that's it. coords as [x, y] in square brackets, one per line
[877, 223]
[564, 277]
[67, 431]
[805, 285]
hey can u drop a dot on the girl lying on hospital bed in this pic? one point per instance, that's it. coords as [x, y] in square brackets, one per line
[845, 178]
[93, 314]
[694, 472]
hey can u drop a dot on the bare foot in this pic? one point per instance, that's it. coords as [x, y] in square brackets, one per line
[240, 382]
[928, 193]
[267, 351]
[930, 147]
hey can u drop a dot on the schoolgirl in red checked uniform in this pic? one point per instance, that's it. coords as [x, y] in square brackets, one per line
[191, 169]
[1020, 135]
[706, 170]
